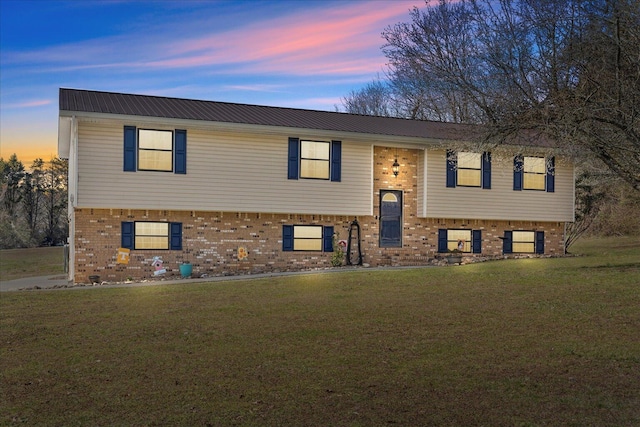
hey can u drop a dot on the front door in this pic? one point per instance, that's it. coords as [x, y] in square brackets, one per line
[390, 219]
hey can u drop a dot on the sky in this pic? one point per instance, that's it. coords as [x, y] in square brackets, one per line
[287, 53]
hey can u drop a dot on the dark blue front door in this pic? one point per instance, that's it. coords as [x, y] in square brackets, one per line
[390, 219]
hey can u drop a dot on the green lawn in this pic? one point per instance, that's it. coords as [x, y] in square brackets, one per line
[19, 263]
[532, 342]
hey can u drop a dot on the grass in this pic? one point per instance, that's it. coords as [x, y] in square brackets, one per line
[19, 263]
[534, 342]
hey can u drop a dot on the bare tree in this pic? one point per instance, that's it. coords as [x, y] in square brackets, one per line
[565, 69]
[374, 99]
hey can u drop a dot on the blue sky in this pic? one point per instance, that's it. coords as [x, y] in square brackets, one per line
[300, 54]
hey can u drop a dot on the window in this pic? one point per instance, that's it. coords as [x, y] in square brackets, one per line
[469, 169]
[155, 150]
[526, 242]
[466, 169]
[152, 235]
[314, 159]
[307, 238]
[535, 170]
[469, 241]
[534, 173]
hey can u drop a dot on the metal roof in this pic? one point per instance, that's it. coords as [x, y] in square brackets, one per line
[87, 101]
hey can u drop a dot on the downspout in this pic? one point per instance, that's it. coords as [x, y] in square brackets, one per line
[72, 189]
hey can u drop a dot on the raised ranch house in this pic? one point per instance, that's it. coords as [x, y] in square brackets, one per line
[235, 188]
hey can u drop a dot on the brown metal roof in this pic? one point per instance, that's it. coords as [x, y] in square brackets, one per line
[74, 100]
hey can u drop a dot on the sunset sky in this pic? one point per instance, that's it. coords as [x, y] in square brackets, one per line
[300, 54]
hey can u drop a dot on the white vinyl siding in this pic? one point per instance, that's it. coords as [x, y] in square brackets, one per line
[500, 202]
[237, 172]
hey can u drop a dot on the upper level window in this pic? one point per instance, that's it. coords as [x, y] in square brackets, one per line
[155, 150]
[314, 159]
[535, 170]
[467, 169]
[534, 173]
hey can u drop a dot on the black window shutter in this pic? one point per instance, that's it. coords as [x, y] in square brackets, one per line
[130, 149]
[327, 239]
[476, 241]
[176, 236]
[486, 171]
[181, 152]
[551, 175]
[540, 242]
[442, 240]
[336, 160]
[518, 172]
[294, 149]
[507, 242]
[451, 168]
[287, 237]
[126, 240]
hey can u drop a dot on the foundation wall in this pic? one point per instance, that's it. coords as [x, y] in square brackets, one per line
[211, 241]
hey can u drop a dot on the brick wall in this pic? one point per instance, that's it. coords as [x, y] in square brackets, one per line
[211, 239]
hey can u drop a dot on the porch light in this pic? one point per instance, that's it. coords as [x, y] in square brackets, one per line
[395, 167]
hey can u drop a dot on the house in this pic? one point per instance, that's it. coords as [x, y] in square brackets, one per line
[235, 188]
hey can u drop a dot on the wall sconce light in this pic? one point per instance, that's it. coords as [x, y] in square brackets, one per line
[395, 168]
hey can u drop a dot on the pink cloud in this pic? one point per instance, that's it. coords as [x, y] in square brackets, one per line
[29, 104]
[334, 41]
[341, 39]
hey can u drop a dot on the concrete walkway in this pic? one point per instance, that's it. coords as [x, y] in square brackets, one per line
[61, 282]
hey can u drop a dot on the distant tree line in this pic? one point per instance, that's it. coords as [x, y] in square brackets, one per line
[33, 203]
[564, 70]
